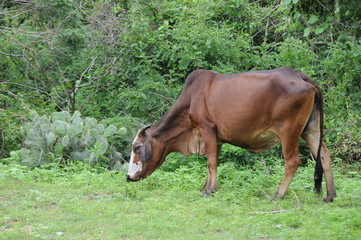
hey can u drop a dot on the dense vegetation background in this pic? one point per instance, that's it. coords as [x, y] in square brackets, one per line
[116, 65]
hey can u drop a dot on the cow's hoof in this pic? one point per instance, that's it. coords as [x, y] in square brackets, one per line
[209, 192]
[328, 200]
[276, 196]
[206, 195]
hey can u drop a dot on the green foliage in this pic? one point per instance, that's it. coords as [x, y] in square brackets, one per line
[237, 155]
[323, 20]
[12, 111]
[66, 138]
[214, 46]
[129, 59]
[341, 73]
[121, 142]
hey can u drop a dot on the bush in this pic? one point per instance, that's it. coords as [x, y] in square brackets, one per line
[242, 157]
[130, 58]
[12, 112]
[341, 83]
[64, 138]
[122, 142]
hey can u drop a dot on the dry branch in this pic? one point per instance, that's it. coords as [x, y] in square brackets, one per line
[272, 212]
[19, 14]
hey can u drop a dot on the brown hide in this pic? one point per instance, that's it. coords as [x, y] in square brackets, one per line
[253, 110]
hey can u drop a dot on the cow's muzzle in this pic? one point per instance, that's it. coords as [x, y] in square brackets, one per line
[129, 179]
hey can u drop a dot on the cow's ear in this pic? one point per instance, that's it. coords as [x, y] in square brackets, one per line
[142, 131]
[146, 151]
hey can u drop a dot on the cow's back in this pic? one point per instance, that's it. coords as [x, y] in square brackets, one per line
[249, 105]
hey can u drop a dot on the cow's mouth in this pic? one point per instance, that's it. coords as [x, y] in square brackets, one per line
[129, 179]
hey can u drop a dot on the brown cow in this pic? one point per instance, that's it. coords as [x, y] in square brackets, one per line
[252, 110]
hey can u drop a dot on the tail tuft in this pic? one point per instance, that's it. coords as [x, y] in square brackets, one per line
[318, 173]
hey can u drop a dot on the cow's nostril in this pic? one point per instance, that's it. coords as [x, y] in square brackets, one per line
[129, 179]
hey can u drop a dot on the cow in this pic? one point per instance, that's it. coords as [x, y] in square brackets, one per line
[253, 110]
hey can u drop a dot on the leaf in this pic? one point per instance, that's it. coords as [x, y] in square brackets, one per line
[92, 158]
[33, 114]
[109, 131]
[321, 29]
[183, 63]
[29, 160]
[50, 138]
[312, 19]
[76, 156]
[75, 144]
[100, 128]
[85, 138]
[71, 130]
[117, 156]
[117, 166]
[122, 131]
[32, 135]
[102, 146]
[45, 129]
[306, 32]
[329, 19]
[22, 131]
[78, 126]
[94, 134]
[280, 29]
[24, 153]
[44, 120]
[60, 128]
[55, 116]
[124, 167]
[65, 141]
[348, 46]
[78, 121]
[286, 2]
[90, 122]
[76, 115]
[62, 116]
[58, 149]
[85, 154]
[66, 116]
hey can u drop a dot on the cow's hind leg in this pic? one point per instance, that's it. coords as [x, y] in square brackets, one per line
[312, 137]
[292, 161]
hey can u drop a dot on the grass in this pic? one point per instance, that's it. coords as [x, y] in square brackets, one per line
[85, 204]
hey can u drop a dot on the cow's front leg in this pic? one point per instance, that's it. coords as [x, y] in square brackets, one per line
[208, 131]
[211, 184]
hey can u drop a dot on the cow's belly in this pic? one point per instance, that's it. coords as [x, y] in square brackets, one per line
[255, 142]
[263, 141]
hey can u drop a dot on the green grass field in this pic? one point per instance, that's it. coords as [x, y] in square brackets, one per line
[89, 204]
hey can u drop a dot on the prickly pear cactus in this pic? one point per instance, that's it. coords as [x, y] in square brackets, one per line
[64, 137]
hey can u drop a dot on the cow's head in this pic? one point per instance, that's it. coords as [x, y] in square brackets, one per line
[146, 155]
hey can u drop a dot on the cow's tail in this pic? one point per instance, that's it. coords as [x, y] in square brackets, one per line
[317, 109]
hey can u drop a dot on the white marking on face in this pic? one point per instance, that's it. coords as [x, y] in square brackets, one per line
[134, 168]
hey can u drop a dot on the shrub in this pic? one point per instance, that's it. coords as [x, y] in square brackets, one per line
[64, 138]
[341, 80]
[242, 157]
[122, 142]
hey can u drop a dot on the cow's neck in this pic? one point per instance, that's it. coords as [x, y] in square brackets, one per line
[173, 129]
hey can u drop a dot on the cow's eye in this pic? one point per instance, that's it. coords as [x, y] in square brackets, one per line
[137, 149]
